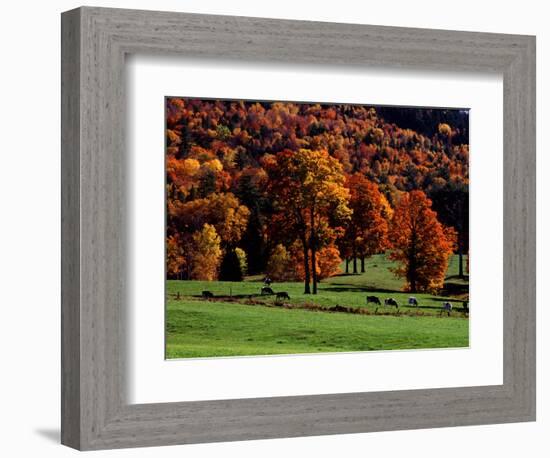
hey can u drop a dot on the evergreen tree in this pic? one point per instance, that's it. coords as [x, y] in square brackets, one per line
[230, 268]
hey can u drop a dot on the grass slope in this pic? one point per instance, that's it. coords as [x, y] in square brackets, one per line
[197, 328]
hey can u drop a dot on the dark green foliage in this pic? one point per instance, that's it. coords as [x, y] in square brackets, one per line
[207, 184]
[451, 202]
[425, 120]
[254, 244]
[230, 268]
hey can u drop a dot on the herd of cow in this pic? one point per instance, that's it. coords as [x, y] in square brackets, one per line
[412, 302]
[265, 291]
[389, 302]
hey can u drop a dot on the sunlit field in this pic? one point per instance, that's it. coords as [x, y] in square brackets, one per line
[238, 320]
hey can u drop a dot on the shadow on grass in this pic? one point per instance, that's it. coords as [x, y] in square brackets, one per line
[452, 289]
[233, 296]
[343, 288]
[464, 278]
[349, 274]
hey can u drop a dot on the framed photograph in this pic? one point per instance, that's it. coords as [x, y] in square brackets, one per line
[278, 228]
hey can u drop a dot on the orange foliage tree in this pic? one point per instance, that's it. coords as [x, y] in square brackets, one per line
[308, 188]
[366, 232]
[420, 243]
[175, 258]
[327, 262]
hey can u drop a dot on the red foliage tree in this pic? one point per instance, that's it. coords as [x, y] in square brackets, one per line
[420, 243]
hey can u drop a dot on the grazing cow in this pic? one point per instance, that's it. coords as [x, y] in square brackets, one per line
[447, 307]
[266, 290]
[413, 301]
[391, 302]
[373, 300]
[207, 294]
[282, 295]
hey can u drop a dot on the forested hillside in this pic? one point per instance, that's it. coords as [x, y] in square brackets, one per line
[289, 189]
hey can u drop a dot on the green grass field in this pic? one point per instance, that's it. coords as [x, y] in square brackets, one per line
[241, 322]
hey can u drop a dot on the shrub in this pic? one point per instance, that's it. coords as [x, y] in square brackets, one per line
[241, 254]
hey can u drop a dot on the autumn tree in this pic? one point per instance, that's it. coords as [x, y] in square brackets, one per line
[366, 232]
[175, 259]
[327, 265]
[280, 264]
[223, 211]
[308, 187]
[420, 243]
[328, 261]
[206, 253]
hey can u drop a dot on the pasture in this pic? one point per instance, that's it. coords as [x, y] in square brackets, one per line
[239, 321]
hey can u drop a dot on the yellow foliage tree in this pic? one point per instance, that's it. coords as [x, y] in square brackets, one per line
[221, 210]
[308, 188]
[206, 254]
[243, 262]
[280, 265]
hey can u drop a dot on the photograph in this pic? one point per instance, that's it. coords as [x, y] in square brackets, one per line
[295, 228]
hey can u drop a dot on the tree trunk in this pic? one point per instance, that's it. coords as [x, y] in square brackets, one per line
[354, 260]
[412, 276]
[313, 269]
[347, 265]
[313, 244]
[306, 270]
[362, 264]
[460, 261]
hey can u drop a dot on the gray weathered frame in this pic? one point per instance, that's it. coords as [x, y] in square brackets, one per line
[95, 413]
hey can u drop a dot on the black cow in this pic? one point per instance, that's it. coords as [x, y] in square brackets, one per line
[266, 290]
[391, 302]
[283, 295]
[207, 294]
[373, 300]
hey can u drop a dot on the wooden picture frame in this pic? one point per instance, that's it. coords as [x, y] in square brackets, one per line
[95, 411]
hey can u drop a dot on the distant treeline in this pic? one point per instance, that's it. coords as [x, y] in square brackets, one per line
[425, 121]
